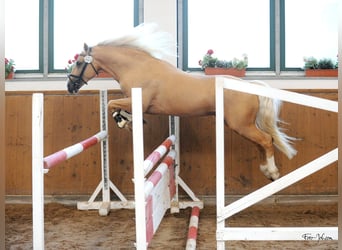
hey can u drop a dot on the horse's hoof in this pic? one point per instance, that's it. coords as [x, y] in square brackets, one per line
[119, 119]
[271, 172]
[274, 176]
[122, 123]
[116, 116]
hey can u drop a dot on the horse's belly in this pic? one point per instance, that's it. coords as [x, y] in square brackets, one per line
[182, 106]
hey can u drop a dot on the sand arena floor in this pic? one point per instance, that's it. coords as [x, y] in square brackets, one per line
[68, 228]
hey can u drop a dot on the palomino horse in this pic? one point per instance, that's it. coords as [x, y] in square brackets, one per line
[133, 61]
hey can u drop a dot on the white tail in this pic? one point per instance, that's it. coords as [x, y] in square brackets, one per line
[268, 120]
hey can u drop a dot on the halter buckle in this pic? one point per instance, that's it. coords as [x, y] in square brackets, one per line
[88, 59]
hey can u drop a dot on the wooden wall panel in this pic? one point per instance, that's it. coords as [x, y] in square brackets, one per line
[315, 129]
[18, 144]
[72, 118]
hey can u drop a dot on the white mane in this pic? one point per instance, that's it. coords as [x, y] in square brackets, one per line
[145, 37]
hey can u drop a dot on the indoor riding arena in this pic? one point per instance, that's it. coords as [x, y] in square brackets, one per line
[132, 145]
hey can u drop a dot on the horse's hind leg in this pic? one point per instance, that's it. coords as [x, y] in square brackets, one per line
[263, 139]
[268, 166]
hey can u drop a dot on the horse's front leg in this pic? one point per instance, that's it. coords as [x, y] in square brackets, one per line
[120, 109]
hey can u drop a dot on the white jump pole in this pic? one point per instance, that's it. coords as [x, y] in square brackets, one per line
[158, 189]
[174, 122]
[105, 185]
[279, 184]
[41, 165]
[105, 207]
[154, 192]
[220, 171]
[138, 159]
[223, 212]
[38, 170]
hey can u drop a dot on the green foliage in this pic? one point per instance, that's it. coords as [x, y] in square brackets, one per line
[326, 64]
[240, 64]
[210, 61]
[313, 63]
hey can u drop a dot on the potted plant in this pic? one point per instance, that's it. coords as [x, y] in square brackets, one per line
[324, 67]
[9, 68]
[71, 64]
[213, 66]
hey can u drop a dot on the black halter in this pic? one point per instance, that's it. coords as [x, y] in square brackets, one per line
[78, 81]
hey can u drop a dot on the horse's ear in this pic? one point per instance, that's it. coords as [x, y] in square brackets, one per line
[86, 47]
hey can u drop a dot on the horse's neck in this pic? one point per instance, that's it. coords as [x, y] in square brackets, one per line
[119, 56]
[124, 63]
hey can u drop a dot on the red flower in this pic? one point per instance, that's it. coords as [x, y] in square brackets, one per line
[70, 62]
[210, 52]
[76, 56]
[6, 61]
[200, 62]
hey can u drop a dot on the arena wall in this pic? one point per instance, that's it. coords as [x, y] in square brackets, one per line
[71, 118]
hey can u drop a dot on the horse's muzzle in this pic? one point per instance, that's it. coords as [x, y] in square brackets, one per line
[72, 88]
[74, 85]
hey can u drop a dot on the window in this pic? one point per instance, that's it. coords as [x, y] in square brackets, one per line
[310, 29]
[230, 28]
[22, 33]
[78, 21]
[55, 36]
[275, 34]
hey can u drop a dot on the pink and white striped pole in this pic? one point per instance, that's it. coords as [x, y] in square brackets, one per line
[150, 199]
[157, 174]
[65, 154]
[158, 153]
[193, 227]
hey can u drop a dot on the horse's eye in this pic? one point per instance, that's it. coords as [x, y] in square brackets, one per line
[78, 63]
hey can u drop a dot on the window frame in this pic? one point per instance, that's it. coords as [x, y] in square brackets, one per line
[282, 43]
[277, 44]
[282, 39]
[50, 66]
[272, 38]
[41, 42]
[277, 41]
[46, 45]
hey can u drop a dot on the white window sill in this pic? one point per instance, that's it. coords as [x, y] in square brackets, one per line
[57, 85]
[109, 84]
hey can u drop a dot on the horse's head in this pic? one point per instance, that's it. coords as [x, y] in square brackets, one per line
[81, 73]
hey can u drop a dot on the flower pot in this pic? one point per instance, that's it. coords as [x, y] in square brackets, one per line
[321, 72]
[225, 71]
[10, 75]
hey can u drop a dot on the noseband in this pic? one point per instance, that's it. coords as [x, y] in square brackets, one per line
[88, 59]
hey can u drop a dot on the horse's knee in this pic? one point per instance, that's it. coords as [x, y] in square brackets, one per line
[118, 104]
[112, 106]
